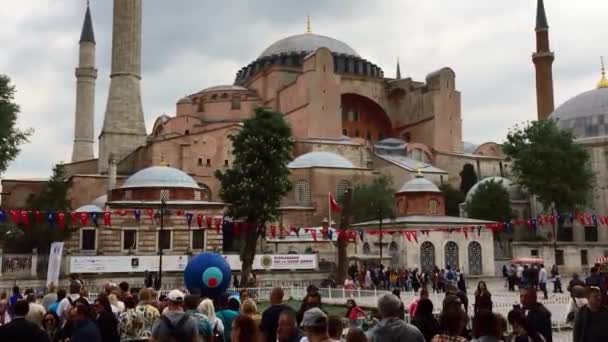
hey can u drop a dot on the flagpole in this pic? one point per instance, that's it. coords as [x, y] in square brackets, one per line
[329, 207]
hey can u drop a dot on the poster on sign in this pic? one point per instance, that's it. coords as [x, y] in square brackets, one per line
[126, 263]
[52, 273]
[277, 262]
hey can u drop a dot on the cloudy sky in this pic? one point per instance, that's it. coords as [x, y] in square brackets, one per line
[192, 44]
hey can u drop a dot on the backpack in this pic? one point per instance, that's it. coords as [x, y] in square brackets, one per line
[176, 332]
[450, 275]
[217, 337]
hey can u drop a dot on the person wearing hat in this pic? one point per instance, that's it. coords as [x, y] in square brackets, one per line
[175, 323]
[314, 324]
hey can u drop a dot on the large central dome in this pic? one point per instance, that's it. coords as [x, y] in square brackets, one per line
[308, 42]
[586, 114]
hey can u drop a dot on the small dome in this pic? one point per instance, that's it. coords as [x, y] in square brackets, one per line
[160, 177]
[515, 193]
[307, 42]
[100, 201]
[320, 159]
[586, 114]
[469, 147]
[419, 184]
[225, 87]
[89, 208]
[185, 100]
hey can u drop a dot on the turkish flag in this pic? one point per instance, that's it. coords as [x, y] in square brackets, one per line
[333, 204]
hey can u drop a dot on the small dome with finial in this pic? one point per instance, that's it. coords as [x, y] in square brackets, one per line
[603, 83]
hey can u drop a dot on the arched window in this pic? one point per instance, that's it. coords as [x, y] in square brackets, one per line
[201, 104]
[451, 255]
[475, 257]
[224, 96]
[236, 102]
[205, 193]
[343, 185]
[427, 256]
[302, 193]
[419, 155]
[366, 249]
[433, 205]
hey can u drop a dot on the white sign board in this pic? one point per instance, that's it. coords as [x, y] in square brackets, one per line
[126, 263]
[54, 267]
[277, 262]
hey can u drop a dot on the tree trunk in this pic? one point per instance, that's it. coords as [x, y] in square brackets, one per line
[248, 253]
[343, 238]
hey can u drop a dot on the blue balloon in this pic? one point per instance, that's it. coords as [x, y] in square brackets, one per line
[207, 274]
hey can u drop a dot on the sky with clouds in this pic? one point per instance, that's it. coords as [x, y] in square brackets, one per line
[189, 45]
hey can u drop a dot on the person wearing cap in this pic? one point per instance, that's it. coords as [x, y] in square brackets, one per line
[315, 326]
[175, 323]
[391, 327]
[591, 320]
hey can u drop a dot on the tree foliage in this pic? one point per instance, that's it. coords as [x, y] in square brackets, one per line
[453, 199]
[468, 178]
[490, 202]
[371, 201]
[549, 164]
[11, 137]
[39, 235]
[259, 178]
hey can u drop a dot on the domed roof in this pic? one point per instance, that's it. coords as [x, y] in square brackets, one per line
[307, 42]
[89, 208]
[514, 190]
[586, 114]
[100, 201]
[160, 177]
[224, 87]
[185, 100]
[419, 184]
[320, 159]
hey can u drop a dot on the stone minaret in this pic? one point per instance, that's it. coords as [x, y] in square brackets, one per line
[398, 75]
[543, 61]
[84, 125]
[124, 129]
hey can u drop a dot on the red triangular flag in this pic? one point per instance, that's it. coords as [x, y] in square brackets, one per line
[333, 204]
[107, 219]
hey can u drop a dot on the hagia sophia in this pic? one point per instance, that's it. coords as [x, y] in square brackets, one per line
[351, 121]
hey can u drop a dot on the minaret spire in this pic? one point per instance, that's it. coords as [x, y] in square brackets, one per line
[603, 83]
[398, 76]
[86, 74]
[308, 29]
[543, 63]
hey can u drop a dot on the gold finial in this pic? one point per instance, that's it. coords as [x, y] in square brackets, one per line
[603, 83]
[308, 29]
[419, 170]
[162, 160]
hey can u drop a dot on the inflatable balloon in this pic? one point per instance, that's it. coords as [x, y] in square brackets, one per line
[207, 274]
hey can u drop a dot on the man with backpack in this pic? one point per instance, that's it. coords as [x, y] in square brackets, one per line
[175, 324]
[64, 306]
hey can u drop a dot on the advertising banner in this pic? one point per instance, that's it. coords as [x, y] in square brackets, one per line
[126, 263]
[277, 262]
[52, 274]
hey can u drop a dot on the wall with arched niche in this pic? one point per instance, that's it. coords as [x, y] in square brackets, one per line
[364, 118]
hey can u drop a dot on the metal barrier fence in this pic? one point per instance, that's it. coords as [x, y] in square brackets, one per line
[16, 264]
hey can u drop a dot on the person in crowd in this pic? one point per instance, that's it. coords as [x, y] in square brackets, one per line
[244, 329]
[452, 323]
[391, 327]
[19, 328]
[244, 295]
[577, 301]
[542, 280]
[206, 308]
[175, 323]
[315, 325]
[124, 291]
[311, 300]
[270, 317]
[105, 319]
[355, 335]
[50, 324]
[502, 327]
[576, 280]
[512, 277]
[235, 282]
[60, 296]
[354, 313]
[250, 309]
[463, 299]
[594, 279]
[117, 306]
[82, 327]
[425, 321]
[287, 330]
[424, 294]
[519, 274]
[537, 314]
[145, 313]
[591, 322]
[557, 280]
[5, 314]
[485, 327]
[227, 313]
[15, 297]
[50, 297]
[84, 294]
[483, 297]
[129, 322]
[397, 294]
[335, 327]
[191, 304]
[462, 284]
[522, 330]
[36, 311]
[66, 304]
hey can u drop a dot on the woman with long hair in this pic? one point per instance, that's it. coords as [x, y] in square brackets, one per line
[5, 314]
[51, 326]
[249, 308]
[354, 313]
[452, 323]
[244, 329]
[206, 308]
[106, 320]
[425, 321]
[483, 297]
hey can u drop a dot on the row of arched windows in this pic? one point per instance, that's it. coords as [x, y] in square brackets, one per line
[302, 191]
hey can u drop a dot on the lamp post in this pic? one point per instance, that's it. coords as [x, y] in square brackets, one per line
[163, 204]
[380, 228]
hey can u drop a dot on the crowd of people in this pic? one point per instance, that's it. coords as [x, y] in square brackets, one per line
[535, 275]
[120, 314]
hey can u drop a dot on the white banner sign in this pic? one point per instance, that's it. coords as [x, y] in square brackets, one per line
[52, 273]
[277, 262]
[126, 263]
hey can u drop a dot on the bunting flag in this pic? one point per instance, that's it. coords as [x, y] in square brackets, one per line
[361, 234]
[150, 213]
[107, 219]
[2, 216]
[236, 228]
[407, 236]
[333, 204]
[124, 212]
[15, 217]
[61, 220]
[330, 234]
[189, 220]
[273, 231]
[415, 236]
[94, 218]
[38, 216]
[50, 219]
[199, 220]
[209, 221]
[25, 218]
[594, 219]
[84, 219]
[313, 232]
[180, 212]
[218, 223]
[74, 219]
[137, 215]
[466, 235]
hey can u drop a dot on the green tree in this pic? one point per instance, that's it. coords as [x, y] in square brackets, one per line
[490, 202]
[39, 235]
[453, 199]
[259, 178]
[549, 164]
[468, 178]
[11, 137]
